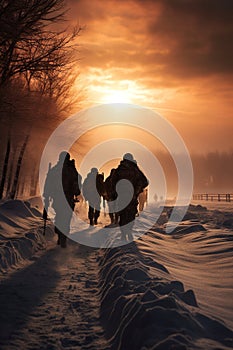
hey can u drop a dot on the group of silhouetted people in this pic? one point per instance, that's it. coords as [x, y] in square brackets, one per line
[120, 190]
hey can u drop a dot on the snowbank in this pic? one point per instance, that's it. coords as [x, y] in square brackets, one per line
[143, 308]
[21, 233]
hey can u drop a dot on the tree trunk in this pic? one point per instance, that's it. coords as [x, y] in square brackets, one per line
[5, 166]
[18, 168]
[9, 178]
[34, 182]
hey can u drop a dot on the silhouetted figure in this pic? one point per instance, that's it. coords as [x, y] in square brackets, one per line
[92, 192]
[142, 199]
[62, 186]
[110, 195]
[129, 170]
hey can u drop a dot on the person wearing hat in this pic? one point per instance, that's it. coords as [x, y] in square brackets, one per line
[129, 170]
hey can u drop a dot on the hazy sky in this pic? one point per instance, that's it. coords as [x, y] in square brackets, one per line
[175, 56]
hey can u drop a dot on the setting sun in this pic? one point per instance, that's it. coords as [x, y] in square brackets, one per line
[117, 96]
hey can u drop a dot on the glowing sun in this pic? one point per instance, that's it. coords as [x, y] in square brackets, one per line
[117, 96]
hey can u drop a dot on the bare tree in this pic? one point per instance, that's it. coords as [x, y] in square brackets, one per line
[37, 50]
[29, 44]
[18, 168]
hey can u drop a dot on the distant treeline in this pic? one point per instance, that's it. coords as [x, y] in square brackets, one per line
[213, 172]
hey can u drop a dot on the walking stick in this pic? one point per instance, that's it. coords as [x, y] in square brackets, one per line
[45, 217]
[46, 206]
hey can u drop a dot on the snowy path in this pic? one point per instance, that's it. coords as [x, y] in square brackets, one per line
[52, 303]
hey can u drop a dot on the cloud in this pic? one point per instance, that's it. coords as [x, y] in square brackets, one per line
[198, 34]
[177, 55]
[180, 38]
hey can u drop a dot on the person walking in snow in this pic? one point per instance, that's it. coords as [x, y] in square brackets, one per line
[62, 186]
[92, 191]
[128, 170]
[142, 199]
[110, 195]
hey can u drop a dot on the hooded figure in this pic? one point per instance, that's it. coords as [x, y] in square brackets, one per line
[128, 170]
[62, 185]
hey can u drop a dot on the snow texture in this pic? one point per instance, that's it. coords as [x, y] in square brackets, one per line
[159, 292]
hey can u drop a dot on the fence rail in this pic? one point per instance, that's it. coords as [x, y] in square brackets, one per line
[220, 197]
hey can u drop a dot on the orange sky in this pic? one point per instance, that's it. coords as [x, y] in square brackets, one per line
[174, 56]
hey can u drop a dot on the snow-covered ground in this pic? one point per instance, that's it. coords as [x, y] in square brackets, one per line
[21, 233]
[215, 205]
[159, 292]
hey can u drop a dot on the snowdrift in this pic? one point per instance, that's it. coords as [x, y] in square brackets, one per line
[143, 308]
[141, 292]
[21, 233]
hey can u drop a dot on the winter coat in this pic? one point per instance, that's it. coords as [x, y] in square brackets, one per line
[70, 184]
[130, 171]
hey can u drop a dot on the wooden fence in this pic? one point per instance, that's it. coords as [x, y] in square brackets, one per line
[220, 197]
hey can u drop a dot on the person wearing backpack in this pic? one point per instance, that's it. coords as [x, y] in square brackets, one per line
[62, 186]
[129, 170]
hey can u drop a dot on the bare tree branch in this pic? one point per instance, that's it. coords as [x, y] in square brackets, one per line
[28, 44]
